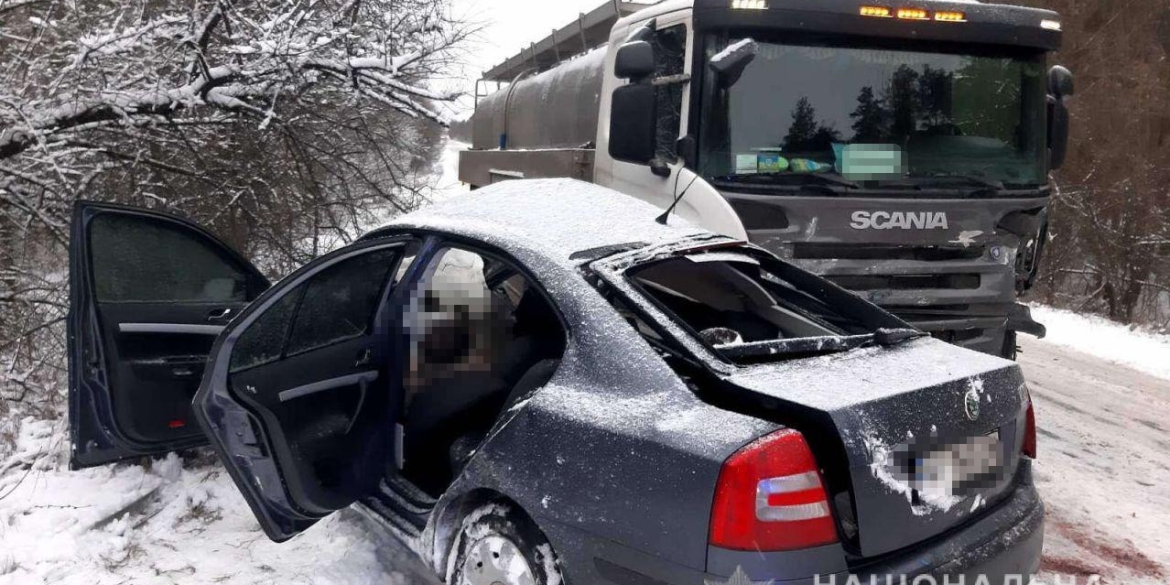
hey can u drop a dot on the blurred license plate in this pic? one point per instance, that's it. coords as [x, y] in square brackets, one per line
[953, 469]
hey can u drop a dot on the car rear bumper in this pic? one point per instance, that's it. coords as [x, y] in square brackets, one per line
[1003, 547]
[1005, 542]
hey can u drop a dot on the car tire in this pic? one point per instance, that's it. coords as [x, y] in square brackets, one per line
[497, 545]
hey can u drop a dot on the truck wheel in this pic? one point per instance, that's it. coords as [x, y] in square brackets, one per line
[496, 546]
[1009, 345]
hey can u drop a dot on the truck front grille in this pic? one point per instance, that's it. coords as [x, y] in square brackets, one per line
[822, 251]
[868, 282]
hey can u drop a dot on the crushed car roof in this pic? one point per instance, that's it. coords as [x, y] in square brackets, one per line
[561, 217]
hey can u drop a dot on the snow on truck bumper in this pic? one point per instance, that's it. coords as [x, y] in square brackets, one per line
[1000, 547]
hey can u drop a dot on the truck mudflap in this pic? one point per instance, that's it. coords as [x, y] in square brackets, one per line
[921, 436]
[1020, 319]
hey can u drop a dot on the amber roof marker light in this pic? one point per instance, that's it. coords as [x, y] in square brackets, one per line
[876, 11]
[950, 16]
[913, 14]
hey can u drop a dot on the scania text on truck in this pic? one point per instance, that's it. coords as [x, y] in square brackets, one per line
[901, 149]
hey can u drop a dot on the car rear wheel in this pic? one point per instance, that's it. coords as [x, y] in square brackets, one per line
[499, 547]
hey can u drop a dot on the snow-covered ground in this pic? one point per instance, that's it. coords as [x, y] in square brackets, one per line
[1103, 465]
[172, 521]
[1141, 350]
[448, 185]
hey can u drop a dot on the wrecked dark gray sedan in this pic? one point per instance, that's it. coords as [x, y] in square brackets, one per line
[540, 383]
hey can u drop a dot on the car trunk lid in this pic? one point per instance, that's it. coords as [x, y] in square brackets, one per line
[899, 428]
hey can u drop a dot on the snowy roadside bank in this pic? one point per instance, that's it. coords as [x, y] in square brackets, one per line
[173, 520]
[1141, 350]
[447, 170]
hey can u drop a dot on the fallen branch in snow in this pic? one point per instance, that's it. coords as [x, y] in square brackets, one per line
[135, 506]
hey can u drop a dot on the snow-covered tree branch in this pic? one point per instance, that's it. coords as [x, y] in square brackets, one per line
[285, 126]
[150, 60]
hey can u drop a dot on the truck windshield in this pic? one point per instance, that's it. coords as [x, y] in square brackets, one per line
[875, 114]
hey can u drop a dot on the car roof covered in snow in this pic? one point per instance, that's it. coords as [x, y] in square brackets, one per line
[559, 217]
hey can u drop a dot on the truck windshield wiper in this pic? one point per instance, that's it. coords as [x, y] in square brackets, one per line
[956, 179]
[790, 178]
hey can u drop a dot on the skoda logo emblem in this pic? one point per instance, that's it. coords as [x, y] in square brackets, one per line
[971, 404]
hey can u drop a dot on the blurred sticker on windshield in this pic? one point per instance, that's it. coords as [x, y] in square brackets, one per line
[745, 164]
[866, 162]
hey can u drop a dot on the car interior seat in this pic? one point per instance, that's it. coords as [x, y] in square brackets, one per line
[447, 421]
[535, 378]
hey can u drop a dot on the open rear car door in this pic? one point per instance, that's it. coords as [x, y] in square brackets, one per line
[149, 293]
[302, 388]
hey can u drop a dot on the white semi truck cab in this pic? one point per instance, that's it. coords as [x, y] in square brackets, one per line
[900, 148]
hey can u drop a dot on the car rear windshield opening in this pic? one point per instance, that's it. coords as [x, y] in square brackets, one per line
[730, 299]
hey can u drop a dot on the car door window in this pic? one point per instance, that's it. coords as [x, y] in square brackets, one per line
[141, 259]
[263, 341]
[334, 305]
[339, 302]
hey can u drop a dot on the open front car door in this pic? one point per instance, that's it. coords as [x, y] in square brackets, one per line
[302, 389]
[149, 293]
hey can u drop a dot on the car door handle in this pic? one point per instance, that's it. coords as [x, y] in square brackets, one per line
[219, 314]
[363, 358]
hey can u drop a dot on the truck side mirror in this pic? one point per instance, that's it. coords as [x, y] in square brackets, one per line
[1060, 82]
[1060, 88]
[634, 61]
[633, 123]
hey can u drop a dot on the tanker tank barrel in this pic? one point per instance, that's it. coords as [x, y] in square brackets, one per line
[589, 31]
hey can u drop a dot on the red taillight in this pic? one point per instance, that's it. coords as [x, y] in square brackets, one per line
[177, 423]
[770, 497]
[1029, 446]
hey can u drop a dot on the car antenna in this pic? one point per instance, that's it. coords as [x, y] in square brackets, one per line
[666, 214]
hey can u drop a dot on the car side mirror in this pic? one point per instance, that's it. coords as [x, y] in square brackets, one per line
[633, 123]
[729, 63]
[1060, 88]
[634, 61]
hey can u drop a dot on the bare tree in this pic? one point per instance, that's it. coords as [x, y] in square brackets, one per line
[283, 125]
[1111, 215]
